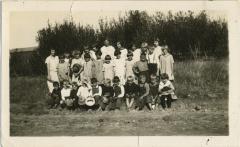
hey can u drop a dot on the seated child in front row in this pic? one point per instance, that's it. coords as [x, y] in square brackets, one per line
[131, 92]
[116, 100]
[107, 94]
[84, 91]
[54, 101]
[153, 98]
[73, 95]
[166, 90]
[65, 93]
[96, 91]
[143, 91]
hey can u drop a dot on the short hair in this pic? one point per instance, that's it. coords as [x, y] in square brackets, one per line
[108, 57]
[51, 49]
[143, 54]
[74, 84]
[94, 80]
[107, 81]
[76, 68]
[61, 57]
[142, 76]
[130, 78]
[153, 76]
[87, 56]
[55, 84]
[164, 76]
[117, 52]
[129, 54]
[76, 52]
[65, 81]
[116, 79]
[98, 53]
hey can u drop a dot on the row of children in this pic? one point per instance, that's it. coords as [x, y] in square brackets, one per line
[107, 62]
[109, 96]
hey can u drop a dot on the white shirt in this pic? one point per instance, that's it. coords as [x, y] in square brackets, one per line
[119, 66]
[157, 52]
[124, 53]
[52, 62]
[167, 84]
[84, 92]
[107, 50]
[77, 61]
[151, 58]
[99, 90]
[136, 55]
[65, 93]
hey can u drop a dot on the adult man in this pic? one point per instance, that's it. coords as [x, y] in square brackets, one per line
[52, 76]
[107, 49]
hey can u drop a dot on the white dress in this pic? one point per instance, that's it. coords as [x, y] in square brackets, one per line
[166, 65]
[108, 71]
[107, 50]
[120, 69]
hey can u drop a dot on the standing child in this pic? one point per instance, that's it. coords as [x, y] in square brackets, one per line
[166, 63]
[141, 67]
[63, 70]
[67, 57]
[166, 91]
[119, 67]
[76, 74]
[136, 53]
[65, 93]
[54, 101]
[131, 91]
[158, 53]
[108, 68]
[152, 61]
[98, 67]
[116, 100]
[73, 95]
[90, 52]
[107, 94]
[153, 98]
[129, 65]
[143, 92]
[87, 72]
[76, 59]
[52, 76]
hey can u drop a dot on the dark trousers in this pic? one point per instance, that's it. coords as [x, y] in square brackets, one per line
[115, 103]
[52, 101]
[166, 99]
[152, 68]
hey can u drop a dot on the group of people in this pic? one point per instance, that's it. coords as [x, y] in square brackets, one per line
[103, 79]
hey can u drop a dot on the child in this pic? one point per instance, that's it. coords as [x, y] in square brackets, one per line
[76, 74]
[131, 91]
[84, 91]
[152, 61]
[129, 65]
[73, 95]
[116, 100]
[107, 49]
[76, 59]
[98, 67]
[166, 90]
[166, 63]
[63, 70]
[90, 52]
[107, 94]
[136, 53]
[108, 68]
[67, 58]
[157, 52]
[122, 50]
[52, 76]
[54, 101]
[141, 67]
[119, 67]
[153, 98]
[65, 93]
[87, 68]
[96, 91]
[143, 91]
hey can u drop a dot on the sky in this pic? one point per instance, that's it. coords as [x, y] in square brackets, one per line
[25, 25]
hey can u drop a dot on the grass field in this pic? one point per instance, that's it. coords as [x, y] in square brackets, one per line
[202, 108]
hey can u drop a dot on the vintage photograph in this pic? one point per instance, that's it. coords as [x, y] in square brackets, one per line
[119, 73]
